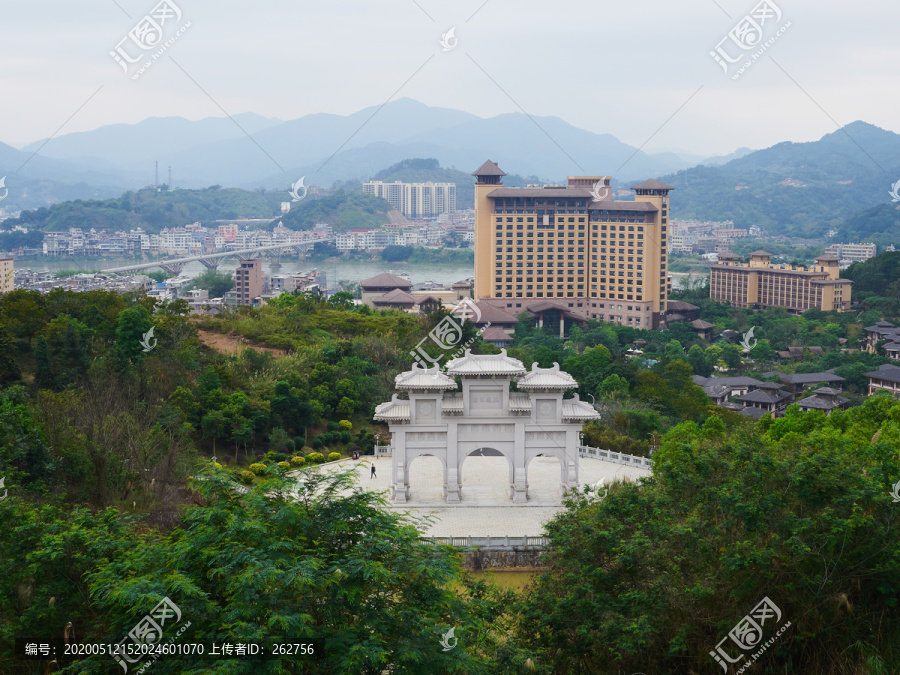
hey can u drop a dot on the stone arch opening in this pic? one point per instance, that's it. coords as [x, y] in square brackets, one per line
[485, 475]
[546, 476]
[426, 473]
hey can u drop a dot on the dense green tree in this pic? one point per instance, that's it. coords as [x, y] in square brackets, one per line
[215, 425]
[134, 326]
[698, 361]
[44, 375]
[23, 312]
[614, 386]
[731, 354]
[9, 367]
[762, 352]
[327, 563]
[215, 282]
[651, 578]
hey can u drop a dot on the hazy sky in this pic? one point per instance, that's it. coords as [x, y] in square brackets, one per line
[622, 68]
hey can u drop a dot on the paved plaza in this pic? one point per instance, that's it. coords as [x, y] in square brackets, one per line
[485, 508]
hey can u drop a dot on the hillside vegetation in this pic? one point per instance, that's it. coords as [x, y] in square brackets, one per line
[152, 210]
[796, 189]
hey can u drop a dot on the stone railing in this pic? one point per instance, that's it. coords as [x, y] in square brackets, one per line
[383, 450]
[616, 457]
[497, 543]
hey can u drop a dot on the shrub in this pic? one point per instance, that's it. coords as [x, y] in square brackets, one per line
[298, 461]
[280, 457]
[316, 457]
[290, 447]
[332, 426]
[217, 465]
[345, 437]
[299, 442]
[258, 468]
[284, 465]
[346, 425]
[317, 443]
[246, 476]
[270, 455]
[334, 456]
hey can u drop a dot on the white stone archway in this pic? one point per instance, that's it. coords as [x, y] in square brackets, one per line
[438, 419]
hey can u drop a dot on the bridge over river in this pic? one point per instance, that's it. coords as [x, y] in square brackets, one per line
[273, 252]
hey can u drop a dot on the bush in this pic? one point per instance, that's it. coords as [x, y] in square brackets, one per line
[346, 425]
[298, 461]
[316, 457]
[246, 476]
[334, 456]
[258, 468]
[317, 443]
[290, 447]
[333, 426]
[284, 465]
[299, 442]
[345, 437]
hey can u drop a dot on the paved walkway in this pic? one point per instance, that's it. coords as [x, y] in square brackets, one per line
[485, 508]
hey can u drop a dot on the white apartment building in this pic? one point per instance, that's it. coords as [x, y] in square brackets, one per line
[417, 200]
[852, 252]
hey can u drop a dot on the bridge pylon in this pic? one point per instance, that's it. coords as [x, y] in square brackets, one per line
[173, 268]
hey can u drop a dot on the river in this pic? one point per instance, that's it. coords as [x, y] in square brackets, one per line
[335, 269]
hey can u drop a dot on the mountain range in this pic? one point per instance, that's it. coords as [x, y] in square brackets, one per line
[251, 151]
[796, 189]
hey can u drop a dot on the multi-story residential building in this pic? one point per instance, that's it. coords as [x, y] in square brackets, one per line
[852, 252]
[729, 233]
[248, 281]
[887, 377]
[562, 242]
[7, 275]
[228, 232]
[761, 284]
[418, 200]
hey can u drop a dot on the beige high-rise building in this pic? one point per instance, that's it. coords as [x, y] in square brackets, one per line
[574, 242]
[248, 281]
[759, 283]
[7, 275]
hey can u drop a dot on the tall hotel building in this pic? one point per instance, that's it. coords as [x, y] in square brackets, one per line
[573, 247]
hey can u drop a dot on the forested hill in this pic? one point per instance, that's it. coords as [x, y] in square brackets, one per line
[879, 275]
[152, 210]
[880, 225]
[796, 189]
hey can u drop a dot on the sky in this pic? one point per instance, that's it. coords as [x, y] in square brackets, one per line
[640, 70]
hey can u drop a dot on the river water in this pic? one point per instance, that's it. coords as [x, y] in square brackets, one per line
[335, 269]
